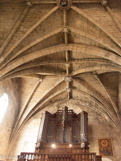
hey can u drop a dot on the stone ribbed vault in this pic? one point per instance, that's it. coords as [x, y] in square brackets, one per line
[57, 55]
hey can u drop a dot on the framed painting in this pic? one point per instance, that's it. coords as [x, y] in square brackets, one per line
[105, 146]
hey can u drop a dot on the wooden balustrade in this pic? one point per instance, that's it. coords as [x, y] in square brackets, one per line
[58, 157]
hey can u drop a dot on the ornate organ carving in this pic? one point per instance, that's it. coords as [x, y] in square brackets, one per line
[63, 127]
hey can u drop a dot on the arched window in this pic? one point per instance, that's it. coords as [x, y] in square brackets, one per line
[3, 105]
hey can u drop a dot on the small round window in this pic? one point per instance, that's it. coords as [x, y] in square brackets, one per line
[3, 105]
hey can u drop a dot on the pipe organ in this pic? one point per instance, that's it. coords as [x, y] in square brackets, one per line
[62, 136]
[63, 128]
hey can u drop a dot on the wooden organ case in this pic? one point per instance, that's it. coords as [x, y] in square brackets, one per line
[63, 136]
[63, 128]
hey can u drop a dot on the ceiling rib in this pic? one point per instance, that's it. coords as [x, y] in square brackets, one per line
[41, 101]
[114, 19]
[26, 106]
[41, 72]
[102, 65]
[97, 94]
[39, 107]
[93, 50]
[46, 36]
[32, 29]
[102, 110]
[12, 32]
[99, 60]
[42, 105]
[36, 2]
[82, 13]
[30, 76]
[37, 70]
[112, 16]
[98, 67]
[36, 64]
[92, 36]
[79, 61]
[113, 104]
[87, 1]
[67, 53]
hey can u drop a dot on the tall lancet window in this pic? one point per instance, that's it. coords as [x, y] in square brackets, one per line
[3, 105]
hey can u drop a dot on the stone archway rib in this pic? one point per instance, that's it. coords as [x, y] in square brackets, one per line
[11, 57]
[97, 94]
[26, 106]
[97, 68]
[92, 36]
[13, 31]
[48, 72]
[93, 50]
[31, 30]
[38, 108]
[35, 70]
[82, 13]
[43, 99]
[79, 61]
[113, 17]
[113, 103]
[102, 110]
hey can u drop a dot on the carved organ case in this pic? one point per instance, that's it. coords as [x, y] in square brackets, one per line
[64, 128]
